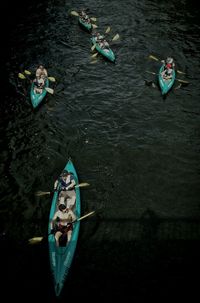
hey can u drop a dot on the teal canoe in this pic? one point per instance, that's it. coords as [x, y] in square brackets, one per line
[85, 25]
[36, 98]
[61, 257]
[106, 52]
[166, 85]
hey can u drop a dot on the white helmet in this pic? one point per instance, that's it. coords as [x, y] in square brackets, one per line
[169, 60]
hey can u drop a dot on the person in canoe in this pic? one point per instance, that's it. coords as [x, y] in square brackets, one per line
[67, 190]
[62, 223]
[98, 37]
[84, 16]
[41, 72]
[104, 44]
[38, 85]
[39, 81]
[168, 68]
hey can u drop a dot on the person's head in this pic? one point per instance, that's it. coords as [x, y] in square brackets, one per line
[169, 60]
[65, 173]
[62, 207]
[41, 66]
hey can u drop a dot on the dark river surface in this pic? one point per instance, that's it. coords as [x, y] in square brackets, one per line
[139, 152]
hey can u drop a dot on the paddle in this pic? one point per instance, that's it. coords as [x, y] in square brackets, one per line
[49, 90]
[156, 59]
[21, 76]
[74, 13]
[36, 240]
[115, 38]
[94, 55]
[42, 193]
[179, 80]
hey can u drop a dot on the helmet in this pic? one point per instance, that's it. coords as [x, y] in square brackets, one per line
[169, 60]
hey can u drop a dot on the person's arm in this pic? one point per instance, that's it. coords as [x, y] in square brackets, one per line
[72, 184]
[73, 216]
[37, 73]
[55, 184]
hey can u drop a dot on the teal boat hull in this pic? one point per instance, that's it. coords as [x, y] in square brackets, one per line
[85, 25]
[165, 85]
[62, 257]
[106, 53]
[36, 99]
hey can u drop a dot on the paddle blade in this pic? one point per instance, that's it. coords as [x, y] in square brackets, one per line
[93, 19]
[150, 72]
[35, 240]
[49, 90]
[94, 55]
[153, 57]
[52, 79]
[74, 13]
[21, 76]
[107, 30]
[82, 184]
[93, 47]
[27, 72]
[182, 81]
[94, 26]
[42, 193]
[115, 38]
[180, 72]
[93, 62]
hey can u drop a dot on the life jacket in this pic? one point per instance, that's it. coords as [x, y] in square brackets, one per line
[64, 184]
[168, 65]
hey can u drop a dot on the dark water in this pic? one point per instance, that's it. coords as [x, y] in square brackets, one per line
[139, 153]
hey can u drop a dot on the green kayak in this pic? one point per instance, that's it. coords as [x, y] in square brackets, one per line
[106, 52]
[61, 256]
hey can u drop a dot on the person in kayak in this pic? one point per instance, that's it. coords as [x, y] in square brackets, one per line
[38, 85]
[62, 223]
[97, 37]
[168, 68]
[84, 16]
[169, 63]
[41, 72]
[67, 184]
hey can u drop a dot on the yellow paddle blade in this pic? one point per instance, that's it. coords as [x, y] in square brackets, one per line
[21, 76]
[180, 72]
[27, 72]
[93, 47]
[182, 81]
[82, 184]
[42, 193]
[93, 19]
[35, 240]
[74, 13]
[52, 79]
[94, 26]
[153, 57]
[107, 30]
[147, 71]
[93, 62]
[49, 90]
[116, 37]
[94, 55]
